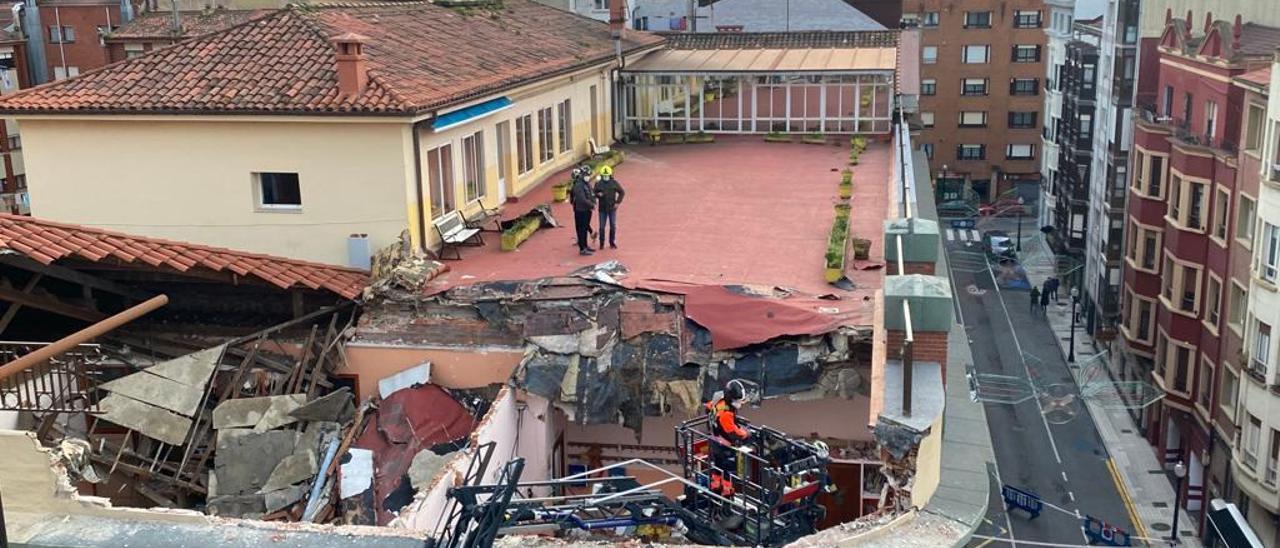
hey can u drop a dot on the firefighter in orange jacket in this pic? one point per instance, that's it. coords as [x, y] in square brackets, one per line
[724, 425]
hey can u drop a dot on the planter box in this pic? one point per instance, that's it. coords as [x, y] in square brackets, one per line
[846, 192]
[516, 235]
[777, 139]
[560, 193]
[814, 140]
[673, 138]
[834, 274]
[703, 138]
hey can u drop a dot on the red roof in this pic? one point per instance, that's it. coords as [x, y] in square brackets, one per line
[159, 24]
[47, 241]
[420, 57]
[1259, 77]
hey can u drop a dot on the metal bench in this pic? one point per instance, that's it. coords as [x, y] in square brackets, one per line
[454, 232]
[483, 216]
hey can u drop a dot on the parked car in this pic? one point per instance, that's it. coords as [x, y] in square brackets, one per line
[956, 208]
[998, 243]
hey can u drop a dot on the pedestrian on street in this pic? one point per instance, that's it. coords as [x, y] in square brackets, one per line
[1035, 298]
[1044, 299]
[1051, 285]
[584, 203]
[610, 194]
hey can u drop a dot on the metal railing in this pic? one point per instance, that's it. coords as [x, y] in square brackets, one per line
[60, 384]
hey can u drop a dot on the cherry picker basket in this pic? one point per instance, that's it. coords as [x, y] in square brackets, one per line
[776, 481]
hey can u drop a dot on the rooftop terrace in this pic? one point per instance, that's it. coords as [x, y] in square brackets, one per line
[738, 211]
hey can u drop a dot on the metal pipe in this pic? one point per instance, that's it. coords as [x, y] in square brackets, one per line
[908, 359]
[93, 331]
[901, 267]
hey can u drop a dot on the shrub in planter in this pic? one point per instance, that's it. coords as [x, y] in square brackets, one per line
[775, 137]
[701, 137]
[835, 256]
[560, 192]
[814, 139]
[859, 142]
[674, 138]
[853, 157]
[520, 231]
[846, 185]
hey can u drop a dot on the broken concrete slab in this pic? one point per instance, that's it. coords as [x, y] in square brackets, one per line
[424, 467]
[260, 413]
[145, 419]
[292, 469]
[241, 506]
[314, 434]
[159, 391]
[414, 376]
[283, 498]
[193, 369]
[333, 407]
[277, 414]
[245, 461]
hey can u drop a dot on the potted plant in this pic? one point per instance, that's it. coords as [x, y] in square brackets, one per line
[654, 135]
[560, 192]
[701, 137]
[520, 231]
[853, 157]
[861, 248]
[858, 142]
[835, 264]
[814, 139]
[835, 256]
[846, 185]
[776, 137]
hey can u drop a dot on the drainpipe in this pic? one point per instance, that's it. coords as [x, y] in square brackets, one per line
[62, 40]
[417, 186]
[33, 29]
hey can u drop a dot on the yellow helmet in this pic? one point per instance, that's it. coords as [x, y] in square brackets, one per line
[606, 171]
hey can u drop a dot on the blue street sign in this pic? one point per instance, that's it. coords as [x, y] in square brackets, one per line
[1017, 498]
[963, 223]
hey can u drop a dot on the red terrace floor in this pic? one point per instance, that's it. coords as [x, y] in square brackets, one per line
[738, 211]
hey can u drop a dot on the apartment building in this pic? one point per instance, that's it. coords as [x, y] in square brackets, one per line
[1188, 221]
[64, 37]
[744, 15]
[1057, 34]
[1109, 173]
[982, 72]
[1077, 83]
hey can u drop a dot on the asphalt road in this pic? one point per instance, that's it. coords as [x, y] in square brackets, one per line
[1046, 443]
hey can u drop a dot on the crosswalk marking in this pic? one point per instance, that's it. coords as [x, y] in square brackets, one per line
[964, 235]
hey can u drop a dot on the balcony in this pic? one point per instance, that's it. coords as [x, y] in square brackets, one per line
[1270, 476]
[1250, 461]
[1186, 135]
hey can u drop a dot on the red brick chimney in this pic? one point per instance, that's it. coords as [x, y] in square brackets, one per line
[1236, 31]
[352, 65]
[617, 17]
[1208, 21]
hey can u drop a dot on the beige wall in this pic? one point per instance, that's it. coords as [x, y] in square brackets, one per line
[928, 466]
[190, 179]
[528, 100]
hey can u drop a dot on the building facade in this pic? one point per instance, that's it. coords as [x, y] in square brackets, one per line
[1180, 229]
[1077, 83]
[1109, 174]
[982, 75]
[1057, 34]
[744, 15]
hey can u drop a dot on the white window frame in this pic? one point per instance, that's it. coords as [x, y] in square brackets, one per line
[968, 59]
[929, 55]
[260, 193]
[1012, 148]
[473, 168]
[1268, 255]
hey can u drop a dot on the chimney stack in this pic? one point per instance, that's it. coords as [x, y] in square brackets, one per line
[1236, 30]
[617, 18]
[1208, 21]
[352, 65]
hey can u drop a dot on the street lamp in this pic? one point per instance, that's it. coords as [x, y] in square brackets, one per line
[1071, 348]
[1021, 210]
[1179, 471]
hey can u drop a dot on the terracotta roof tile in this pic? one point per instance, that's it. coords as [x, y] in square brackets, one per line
[419, 57]
[159, 24]
[48, 241]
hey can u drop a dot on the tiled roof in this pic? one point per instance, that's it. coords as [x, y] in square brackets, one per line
[419, 57]
[1258, 77]
[783, 40]
[1257, 39]
[789, 16]
[194, 23]
[48, 241]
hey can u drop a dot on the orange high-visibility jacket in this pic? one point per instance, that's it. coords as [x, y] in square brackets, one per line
[724, 420]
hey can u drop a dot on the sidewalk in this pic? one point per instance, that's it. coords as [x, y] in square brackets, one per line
[1149, 495]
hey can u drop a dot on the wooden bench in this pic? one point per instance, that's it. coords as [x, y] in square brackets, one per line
[596, 150]
[454, 232]
[483, 216]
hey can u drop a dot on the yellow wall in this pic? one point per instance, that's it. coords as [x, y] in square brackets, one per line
[928, 466]
[528, 100]
[190, 179]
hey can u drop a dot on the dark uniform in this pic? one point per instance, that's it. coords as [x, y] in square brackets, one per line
[584, 202]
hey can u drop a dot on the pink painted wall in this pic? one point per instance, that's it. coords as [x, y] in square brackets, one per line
[450, 368]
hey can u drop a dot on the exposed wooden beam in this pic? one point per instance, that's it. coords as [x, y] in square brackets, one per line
[13, 308]
[74, 276]
[47, 304]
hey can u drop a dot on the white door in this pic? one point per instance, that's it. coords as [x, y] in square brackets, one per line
[504, 159]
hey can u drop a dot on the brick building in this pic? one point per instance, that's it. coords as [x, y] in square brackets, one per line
[982, 74]
[69, 37]
[158, 29]
[1190, 220]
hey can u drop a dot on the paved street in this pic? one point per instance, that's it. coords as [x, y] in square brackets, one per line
[1045, 441]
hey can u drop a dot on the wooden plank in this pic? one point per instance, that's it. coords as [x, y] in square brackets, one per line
[69, 275]
[8, 293]
[13, 308]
